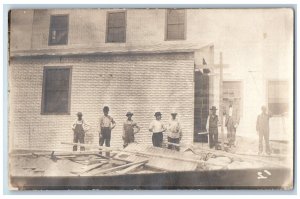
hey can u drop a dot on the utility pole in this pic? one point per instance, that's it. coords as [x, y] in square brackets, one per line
[221, 99]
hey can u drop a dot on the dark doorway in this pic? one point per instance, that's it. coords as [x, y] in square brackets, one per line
[201, 106]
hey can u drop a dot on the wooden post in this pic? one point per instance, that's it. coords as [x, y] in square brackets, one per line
[221, 99]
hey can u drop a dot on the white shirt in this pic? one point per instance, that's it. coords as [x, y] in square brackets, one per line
[174, 129]
[157, 126]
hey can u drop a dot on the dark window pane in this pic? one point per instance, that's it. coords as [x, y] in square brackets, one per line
[56, 90]
[175, 24]
[175, 31]
[277, 97]
[58, 33]
[116, 27]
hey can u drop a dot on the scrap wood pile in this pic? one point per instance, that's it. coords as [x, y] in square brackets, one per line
[134, 159]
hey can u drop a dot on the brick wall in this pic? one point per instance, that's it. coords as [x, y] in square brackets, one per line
[139, 83]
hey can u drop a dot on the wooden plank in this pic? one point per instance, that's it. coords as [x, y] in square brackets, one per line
[88, 168]
[120, 167]
[129, 169]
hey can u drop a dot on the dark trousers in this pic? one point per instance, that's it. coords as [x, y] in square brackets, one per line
[157, 139]
[105, 136]
[175, 141]
[264, 135]
[78, 137]
[213, 140]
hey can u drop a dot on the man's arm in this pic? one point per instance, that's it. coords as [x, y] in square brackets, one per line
[138, 128]
[113, 123]
[151, 127]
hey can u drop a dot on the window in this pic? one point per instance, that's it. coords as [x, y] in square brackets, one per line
[175, 29]
[58, 32]
[56, 90]
[278, 97]
[232, 90]
[116, 27]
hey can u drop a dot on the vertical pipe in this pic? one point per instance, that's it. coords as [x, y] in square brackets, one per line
[221, 99]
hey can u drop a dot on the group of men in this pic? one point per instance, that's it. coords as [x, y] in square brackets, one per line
[232, 121]
[173, 127]
[130, 128]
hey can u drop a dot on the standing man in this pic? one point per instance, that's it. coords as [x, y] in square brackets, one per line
[212, 127]
[174, 132]
[79, 128]
[129, 127]
[262, 128]
[157, 128]
[107, 123]
[231, 122]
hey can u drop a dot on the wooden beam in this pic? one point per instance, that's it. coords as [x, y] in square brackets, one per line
[129, 169]
[120, 167]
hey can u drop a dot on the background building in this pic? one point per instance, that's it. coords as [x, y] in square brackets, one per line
[145, 60]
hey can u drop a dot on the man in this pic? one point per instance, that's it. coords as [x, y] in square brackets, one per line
[174, 132]
[157, 128]
[107, 123]
[212, 127]
[262, 128]
[129, 127]
[79, 127]
[231, 122]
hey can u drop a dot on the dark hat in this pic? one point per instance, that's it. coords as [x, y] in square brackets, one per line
[105, 108]
[79, 114]
[129, 113]
[157, 113]
[213, 108]
[173, 113]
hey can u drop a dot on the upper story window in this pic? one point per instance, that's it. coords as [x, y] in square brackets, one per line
[56, 90]
[175, 24]
[58, 31]
[278, 97]
[116, 27]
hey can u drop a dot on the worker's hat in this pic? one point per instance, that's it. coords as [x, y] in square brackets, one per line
[129, 113]
[173, 113]
[213, 108]
[157, 113]
[79, 114]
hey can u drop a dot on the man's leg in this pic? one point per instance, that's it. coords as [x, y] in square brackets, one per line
[160, 139]
[153, 140]
[81, 140]
[75, 140]
[216, 139]
[107, 141]
[233, 135]
[211, 141]
[169, 145]
[176, 141]
[266, 137]
[260, 145]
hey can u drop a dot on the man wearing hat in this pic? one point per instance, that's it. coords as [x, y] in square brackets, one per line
[129, 127]
[262, 128]
[106, 124]
[157, 128]
[212, 127]
[231, 122]
[174, 131]
[79, 128]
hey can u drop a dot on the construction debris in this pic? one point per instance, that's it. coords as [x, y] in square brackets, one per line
[134, 159]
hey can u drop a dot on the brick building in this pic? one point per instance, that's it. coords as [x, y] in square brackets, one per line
[65, 61]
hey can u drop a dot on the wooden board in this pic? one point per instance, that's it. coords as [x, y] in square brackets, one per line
[161, 163]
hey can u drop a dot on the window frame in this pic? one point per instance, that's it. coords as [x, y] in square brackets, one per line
[166, 25]
[67, 29]
[43, 112]
[268, 82]
[107, 28]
